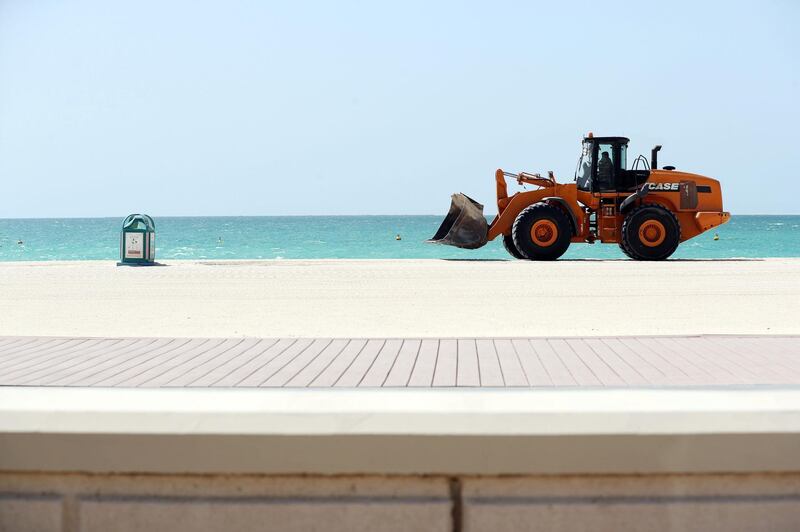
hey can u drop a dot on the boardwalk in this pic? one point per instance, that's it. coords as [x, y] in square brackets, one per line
[645, 361]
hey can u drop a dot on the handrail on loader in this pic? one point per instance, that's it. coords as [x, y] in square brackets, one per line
[532, 179]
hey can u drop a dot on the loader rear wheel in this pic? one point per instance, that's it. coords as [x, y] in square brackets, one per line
[541, 232]
[625, 250]
[650, 232]
[508, 243]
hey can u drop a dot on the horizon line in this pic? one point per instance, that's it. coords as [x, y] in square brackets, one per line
[285, 216]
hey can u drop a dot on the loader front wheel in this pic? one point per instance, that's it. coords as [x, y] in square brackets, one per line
[508, 243]
[541, 232]
[650, 232]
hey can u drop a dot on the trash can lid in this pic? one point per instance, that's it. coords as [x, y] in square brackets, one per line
[139, 221]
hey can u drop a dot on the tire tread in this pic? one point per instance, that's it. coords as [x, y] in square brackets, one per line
[534, 212]
[625, 244]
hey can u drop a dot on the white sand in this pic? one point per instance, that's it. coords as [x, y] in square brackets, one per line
[400, 298]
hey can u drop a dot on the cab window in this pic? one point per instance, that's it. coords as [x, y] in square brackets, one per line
[583, 173]
[606, 180]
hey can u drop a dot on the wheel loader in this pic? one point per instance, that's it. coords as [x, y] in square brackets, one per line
[644, 209]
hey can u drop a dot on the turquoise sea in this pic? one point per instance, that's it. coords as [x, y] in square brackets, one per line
[342, 237]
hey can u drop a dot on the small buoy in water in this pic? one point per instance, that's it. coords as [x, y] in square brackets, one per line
[716, 236]
[398, 237]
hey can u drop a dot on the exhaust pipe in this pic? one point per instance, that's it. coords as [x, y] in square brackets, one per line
[654, 157]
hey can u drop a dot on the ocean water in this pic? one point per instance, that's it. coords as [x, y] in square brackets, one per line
[342, 237]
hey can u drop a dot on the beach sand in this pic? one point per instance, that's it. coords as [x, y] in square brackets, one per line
[403, 298]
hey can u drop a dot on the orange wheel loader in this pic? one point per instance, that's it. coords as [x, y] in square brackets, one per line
[647, 211]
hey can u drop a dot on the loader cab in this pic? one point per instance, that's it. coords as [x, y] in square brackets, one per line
[602, 165]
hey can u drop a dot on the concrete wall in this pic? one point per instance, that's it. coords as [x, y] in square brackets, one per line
[128, 503]
[207, 460]
[199, 503]
[400, 432]
[632, 503]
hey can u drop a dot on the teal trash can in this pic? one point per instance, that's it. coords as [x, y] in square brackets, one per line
[137, 242]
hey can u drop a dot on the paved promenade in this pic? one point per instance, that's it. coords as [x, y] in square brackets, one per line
[634, 361]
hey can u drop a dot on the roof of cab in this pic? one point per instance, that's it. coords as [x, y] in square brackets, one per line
[614, 140]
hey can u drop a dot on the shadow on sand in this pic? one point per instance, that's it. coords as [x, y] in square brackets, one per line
[611, 260]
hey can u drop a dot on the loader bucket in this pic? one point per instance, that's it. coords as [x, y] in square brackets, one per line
[464, 226]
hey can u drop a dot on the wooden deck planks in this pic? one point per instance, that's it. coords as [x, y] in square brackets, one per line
[491, 373]
[602, 370]
[446, 364]
[713, 366]
[404, 363]
[382, 364]
[298, 363]
[161, 375]
[538, 351]
[89, 360]
[235, 373]
[425, 364]
[331, 373]
[510, 365]
[398, 363]
[639, 363]
[262, 373]
[622, 367]
[774, 354]
[22, 350]
[157, 364]
[314, 367]
[580, 371]
[198, 369]
[38, 354]
[60, 359]
[658, 359]
[355, 371]
[114, 372]
[696, 368]
[125, 358]
[467, 368]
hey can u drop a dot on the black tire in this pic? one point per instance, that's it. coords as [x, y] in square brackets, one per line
[633, 244]
[508, 243]
[523, 240]
[625, 250]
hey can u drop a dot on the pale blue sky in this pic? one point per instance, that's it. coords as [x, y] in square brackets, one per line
[262, 108]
